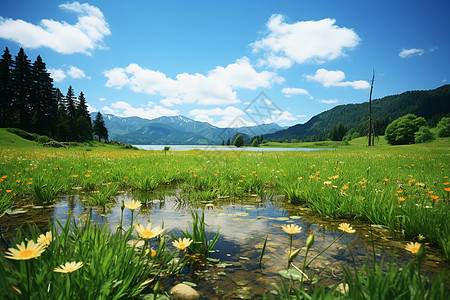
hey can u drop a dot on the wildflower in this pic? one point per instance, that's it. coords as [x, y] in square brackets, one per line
[346, 228]
[8, 191]
[182, 243]
[291, 228]
[74, 176]
[152, 252]
[133, 204]
[345, 187]
[413, 247]
[32, 250]
[45, 239]
[401, 198]
[69, 267]
[447, 189]
[327, 182]
[146, 232]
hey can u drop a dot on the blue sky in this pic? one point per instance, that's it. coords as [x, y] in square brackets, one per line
[208, 60]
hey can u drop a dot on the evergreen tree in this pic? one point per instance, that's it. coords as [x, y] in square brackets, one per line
[43, 104]
[99, 128]
[228, 142]
[22, 87]
[83, 121]
[71, 113]
[6, 87]
[62, 124]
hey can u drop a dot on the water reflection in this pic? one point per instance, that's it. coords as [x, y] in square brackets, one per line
[243, 225]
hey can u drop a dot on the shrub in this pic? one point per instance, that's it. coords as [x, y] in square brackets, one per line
[401, 131]
[423, 135]
[443, 127]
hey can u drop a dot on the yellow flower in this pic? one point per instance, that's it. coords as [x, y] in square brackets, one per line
[146, 232]
[69, 267]
[32, 250]
[133, 204]
[413, 247]
[346, 227]
[291, 228]
[182, 243]
[45, 239]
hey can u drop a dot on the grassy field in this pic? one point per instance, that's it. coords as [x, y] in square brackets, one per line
[405, 188]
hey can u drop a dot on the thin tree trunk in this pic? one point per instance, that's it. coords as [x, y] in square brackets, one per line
[371, 142]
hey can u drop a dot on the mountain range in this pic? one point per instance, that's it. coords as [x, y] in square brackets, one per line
[176, 130]
[180, 130]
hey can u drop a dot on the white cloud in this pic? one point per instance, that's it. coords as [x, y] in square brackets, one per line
[411, 52]
[76, 73]
[215, 88]
[83, 37]
[101, 99]
[124, 109]
[230, 116]
[335, 78]
[301, 116]
[304, 41]
[58, 75]
[295, 91]
[283, 116]
[330, 101]
[91, 109]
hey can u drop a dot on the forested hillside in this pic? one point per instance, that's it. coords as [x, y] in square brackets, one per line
[432, 105]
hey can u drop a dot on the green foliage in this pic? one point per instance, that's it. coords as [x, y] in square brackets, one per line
[423, 135]
[112, 269]
[203, 243]
[99, 128]
[443, 127]
[239, 141]
[337, 133]
[401, 131]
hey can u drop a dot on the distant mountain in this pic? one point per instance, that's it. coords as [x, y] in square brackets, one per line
[176, 130]
[431, 105]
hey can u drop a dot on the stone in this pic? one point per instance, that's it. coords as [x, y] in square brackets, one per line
[184, 292]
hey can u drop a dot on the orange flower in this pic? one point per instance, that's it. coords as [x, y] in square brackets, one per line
[74, 176]
[447, 189]
[345, 187]
[401, 198]
[434, 197]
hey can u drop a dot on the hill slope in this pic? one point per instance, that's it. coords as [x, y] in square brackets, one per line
[428, 104]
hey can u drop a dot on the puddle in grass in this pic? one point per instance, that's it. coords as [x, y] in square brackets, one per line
[244, 224]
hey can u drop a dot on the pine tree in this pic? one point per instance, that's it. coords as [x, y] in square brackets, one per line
[44, 107]
[22, 87]
[83, 121]
[71, 113]
[62, 124]
[6, 88]
[239, 141]
[99, 128]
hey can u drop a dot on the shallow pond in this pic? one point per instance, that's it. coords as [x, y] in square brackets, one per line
[243, 224]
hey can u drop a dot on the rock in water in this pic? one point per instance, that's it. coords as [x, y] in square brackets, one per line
[184, 292]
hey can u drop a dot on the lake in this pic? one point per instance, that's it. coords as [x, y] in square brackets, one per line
[221, 148]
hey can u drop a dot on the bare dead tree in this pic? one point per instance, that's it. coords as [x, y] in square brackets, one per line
[371, 131]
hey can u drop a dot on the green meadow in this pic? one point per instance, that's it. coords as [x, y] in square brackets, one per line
[405, 188]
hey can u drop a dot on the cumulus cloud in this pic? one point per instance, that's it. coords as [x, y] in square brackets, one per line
[404, 53]
[335, 78]
[304, 41]
[217, 87]
[58, 75]
[83, 37]
[288, 92]
[330, 101]
[76, 73]
[91, 109]
[125, 109]
[228, 116]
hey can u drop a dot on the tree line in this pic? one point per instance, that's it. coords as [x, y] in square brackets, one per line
[29, 101]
